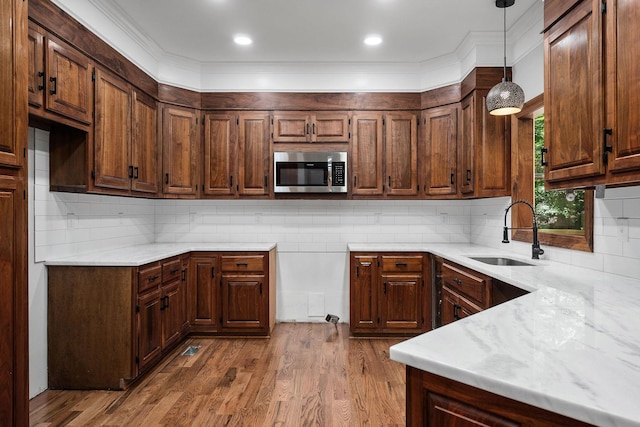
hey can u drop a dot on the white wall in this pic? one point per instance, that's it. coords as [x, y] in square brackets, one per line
[312, 237]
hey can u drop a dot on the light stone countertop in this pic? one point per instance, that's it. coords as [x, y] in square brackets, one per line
[134, 256]
[571, 346]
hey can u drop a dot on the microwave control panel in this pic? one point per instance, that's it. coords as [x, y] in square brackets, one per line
[338, 174]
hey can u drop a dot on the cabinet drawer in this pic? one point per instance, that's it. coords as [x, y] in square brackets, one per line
[467, 283]
[242, 263]
[403, 263]
[149, 275]
[171, 269]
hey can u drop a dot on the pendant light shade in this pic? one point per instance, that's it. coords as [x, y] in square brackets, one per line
[506, 97]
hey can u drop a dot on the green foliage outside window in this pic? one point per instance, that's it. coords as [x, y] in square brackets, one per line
[555, 213]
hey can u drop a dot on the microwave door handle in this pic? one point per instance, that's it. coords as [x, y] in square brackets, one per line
[329, 177]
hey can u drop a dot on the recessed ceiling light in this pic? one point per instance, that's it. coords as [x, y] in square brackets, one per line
[242, 40]
[372, 40]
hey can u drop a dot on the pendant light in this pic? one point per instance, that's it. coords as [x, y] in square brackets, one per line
[506, 97]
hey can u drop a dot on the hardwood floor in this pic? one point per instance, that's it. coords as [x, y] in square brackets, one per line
[306, 374]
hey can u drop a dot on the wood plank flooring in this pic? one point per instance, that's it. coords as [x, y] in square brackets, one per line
[306, 374]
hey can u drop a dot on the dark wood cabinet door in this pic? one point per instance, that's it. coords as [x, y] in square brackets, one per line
[253, 153]
[401, 154]
[467, 140]
[448, 307]
[172, 312]
[446, 412]
[68, 81]
[203, 291]
[149, 328]
[400, 304]
[244, 298]
[13, 82]
[623, 108]
[36, 74]
[144, 145]
[291, 127]
[13, 304]
[220, 140]
[573, 95]
[367, 154]
[364, 293]
[440, 150]
[330, 127]
[112, 132]
[179, 145]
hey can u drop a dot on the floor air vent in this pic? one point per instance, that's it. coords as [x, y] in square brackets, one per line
[191, 350]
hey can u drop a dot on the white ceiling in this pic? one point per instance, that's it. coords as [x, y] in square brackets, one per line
[299, 31]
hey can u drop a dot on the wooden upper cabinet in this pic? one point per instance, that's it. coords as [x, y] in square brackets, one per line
[401, 156]
[310, 127]
[484, 149]
[367, 154]
[253, 154]
[144, 145]
[68, 81]
[220, 160]
[59, 79]
[573, 105]
[439, 150]
[13, 82]
[36, 74]
[179, 150]
[623, 90]
[112, 132]
[125, 137]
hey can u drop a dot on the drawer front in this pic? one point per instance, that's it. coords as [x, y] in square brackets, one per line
[473, 286]
[402, 263]
[242, 263]
[171, 269]
[149, 276]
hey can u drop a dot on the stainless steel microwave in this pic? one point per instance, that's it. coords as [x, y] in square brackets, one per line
[310, 172]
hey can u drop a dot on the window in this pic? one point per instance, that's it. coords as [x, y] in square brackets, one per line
[565, 218]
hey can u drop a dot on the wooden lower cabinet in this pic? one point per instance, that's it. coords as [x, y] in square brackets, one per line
[435, 401]
[461, 292]
[109, 325]
[388, 294]
[232, 292]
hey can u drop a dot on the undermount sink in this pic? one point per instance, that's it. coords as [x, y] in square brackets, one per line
[496, 260]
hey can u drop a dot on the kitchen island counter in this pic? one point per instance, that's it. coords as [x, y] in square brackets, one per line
[571, 346]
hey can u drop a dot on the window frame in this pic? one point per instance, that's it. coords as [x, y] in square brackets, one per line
[522, 186]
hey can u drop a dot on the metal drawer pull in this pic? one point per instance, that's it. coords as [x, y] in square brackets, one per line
[458, 281]
[152, 278]
[241, 264]
[401, 264]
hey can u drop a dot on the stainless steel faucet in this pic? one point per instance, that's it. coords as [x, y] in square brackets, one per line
[536, 251]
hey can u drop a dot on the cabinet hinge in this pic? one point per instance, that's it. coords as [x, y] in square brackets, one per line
[603, 7]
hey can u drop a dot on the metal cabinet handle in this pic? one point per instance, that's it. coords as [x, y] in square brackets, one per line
[130, 172]
[401, 264]
[41, 74]
[457, 281]
[154, 278]
[606, 149]
[166, 178]
[468, 175]
[135, 172]
[543, 162]
[53, 80]
[241, 264]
